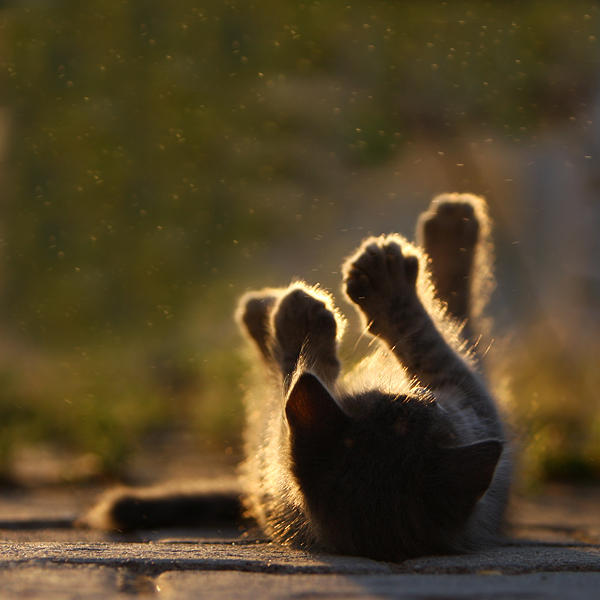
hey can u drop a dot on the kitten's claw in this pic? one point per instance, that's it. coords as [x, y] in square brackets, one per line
[357, 285]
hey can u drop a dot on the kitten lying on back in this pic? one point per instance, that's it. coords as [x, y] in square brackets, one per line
[406, 455]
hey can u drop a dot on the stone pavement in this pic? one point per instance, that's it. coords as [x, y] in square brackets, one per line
[553, 552]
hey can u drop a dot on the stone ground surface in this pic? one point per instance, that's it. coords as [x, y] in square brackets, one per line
[554, 552]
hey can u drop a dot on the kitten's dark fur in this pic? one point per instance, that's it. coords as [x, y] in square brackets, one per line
[407, 454]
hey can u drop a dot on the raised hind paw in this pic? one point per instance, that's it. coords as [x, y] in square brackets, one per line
[451, 225]
[450, 232]
[306, 326]
[381, 279]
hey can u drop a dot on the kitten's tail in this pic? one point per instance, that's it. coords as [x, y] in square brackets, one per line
[127, 509]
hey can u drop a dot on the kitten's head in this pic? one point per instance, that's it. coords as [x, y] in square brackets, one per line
[388, 485]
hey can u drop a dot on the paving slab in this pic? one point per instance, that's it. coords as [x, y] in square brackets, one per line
[516, 558]
[65, 582]
[155, 558]
[553, 552]
[217, 586]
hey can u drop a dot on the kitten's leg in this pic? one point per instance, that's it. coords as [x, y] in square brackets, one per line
[306, 329]
[382, 281]
[454, 233]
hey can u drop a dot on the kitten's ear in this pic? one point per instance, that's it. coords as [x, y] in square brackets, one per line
[310, 409]
[467, 471]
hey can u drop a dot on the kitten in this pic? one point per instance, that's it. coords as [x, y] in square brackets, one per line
[407, 454]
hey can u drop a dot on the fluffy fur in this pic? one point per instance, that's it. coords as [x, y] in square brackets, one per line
[404, 456]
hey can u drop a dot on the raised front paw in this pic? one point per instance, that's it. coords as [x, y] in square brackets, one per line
[301, 317]
[306, 323]
[254, 310]
[381, 279]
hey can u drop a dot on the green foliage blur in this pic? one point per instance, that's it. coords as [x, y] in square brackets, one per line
[162, 158]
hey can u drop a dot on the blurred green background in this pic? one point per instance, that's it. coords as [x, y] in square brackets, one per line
[159, 159]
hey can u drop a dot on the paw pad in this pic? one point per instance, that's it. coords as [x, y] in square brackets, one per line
[380, 276]
[300, 316]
